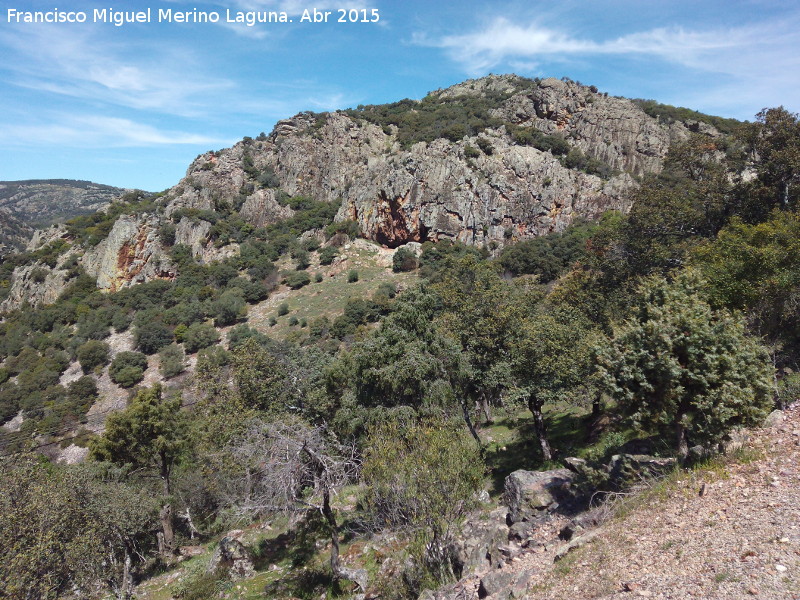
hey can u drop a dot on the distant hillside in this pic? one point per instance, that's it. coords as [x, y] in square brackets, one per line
[38, 203]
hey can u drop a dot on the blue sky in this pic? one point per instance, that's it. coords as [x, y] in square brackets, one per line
[133, 105]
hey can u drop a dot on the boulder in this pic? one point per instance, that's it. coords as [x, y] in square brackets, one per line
[626, 468]
[478, 545]
[232, 556]
[528, 494]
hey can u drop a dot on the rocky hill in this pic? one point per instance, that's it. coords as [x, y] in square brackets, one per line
[38, 203]
[486, 162]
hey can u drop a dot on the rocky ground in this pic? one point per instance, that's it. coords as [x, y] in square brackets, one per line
[727, 530]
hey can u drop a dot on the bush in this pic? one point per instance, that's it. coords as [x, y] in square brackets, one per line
[297, 279]
[172, 361]
[151, 336]
[422, 477]
[229, 308]
[283, 309]
[318, 277]
[404, 260]
[93, 354]
[83, 391]
[128, 376]
[352, 276]
[199, 336]
[327, 254]
[302, 259]
[293, 321]
[681, 368]
[127, 369]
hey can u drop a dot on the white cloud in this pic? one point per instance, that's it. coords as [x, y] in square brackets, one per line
[752, 64]
[77, 64]
[88, 131]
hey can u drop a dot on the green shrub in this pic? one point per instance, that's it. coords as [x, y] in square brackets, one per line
[229, 308]
[352, 276]
[283, 309]
[199, 336]
[404, 260]
[151, 336]
[471, 151]
[297, 279]
[327, 254]
[422, 478]
[172, 361]
[127, 369]
[681, 368]
[293, 321]
[318, 277]
[93, 354]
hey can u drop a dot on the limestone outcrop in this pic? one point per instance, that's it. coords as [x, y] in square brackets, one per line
[131, 254]
[443, 189]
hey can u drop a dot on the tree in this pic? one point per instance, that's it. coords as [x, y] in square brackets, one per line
[198, 336]
[260, 377]
[677, 364]
[483, 312]
[774, 140]
[93, 354]
[292, 467]
[151, 336]
[69, 530]
[127, 369]
[407, 362]
[422, 477]
[756, 268]
[551, 357]
[149, 435]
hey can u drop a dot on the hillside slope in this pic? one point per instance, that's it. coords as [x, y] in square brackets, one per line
[38, 203]
[726, 530]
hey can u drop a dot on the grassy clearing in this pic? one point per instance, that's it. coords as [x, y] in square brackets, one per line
[328, 297]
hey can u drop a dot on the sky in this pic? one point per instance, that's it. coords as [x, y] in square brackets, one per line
[132, 105]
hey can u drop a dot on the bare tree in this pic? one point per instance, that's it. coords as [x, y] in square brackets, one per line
[292, 466]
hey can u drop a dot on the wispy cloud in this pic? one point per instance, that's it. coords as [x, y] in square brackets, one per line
[98, 132]
[503, 40]
[756, 64]
[82, 65]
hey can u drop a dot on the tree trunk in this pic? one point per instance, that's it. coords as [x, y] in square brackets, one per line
[538, 424]
[359, 576]
[166, 510]
[680, 440]
[486, 409]
[598, 406]
[126, 585]
[165, 515]
[468, 420]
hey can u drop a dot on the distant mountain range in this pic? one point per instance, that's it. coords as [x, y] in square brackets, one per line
[38, 203]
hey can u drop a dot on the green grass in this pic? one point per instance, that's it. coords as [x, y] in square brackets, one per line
[327, 297]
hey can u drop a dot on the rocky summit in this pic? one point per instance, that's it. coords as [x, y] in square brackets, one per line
[487, 162]
[488, 187]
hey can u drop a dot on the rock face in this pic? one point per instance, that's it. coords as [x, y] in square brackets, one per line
[443, 189]
[35, 284]
[528, 494]
[232, 556]
[130, 254]
[484, 189]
